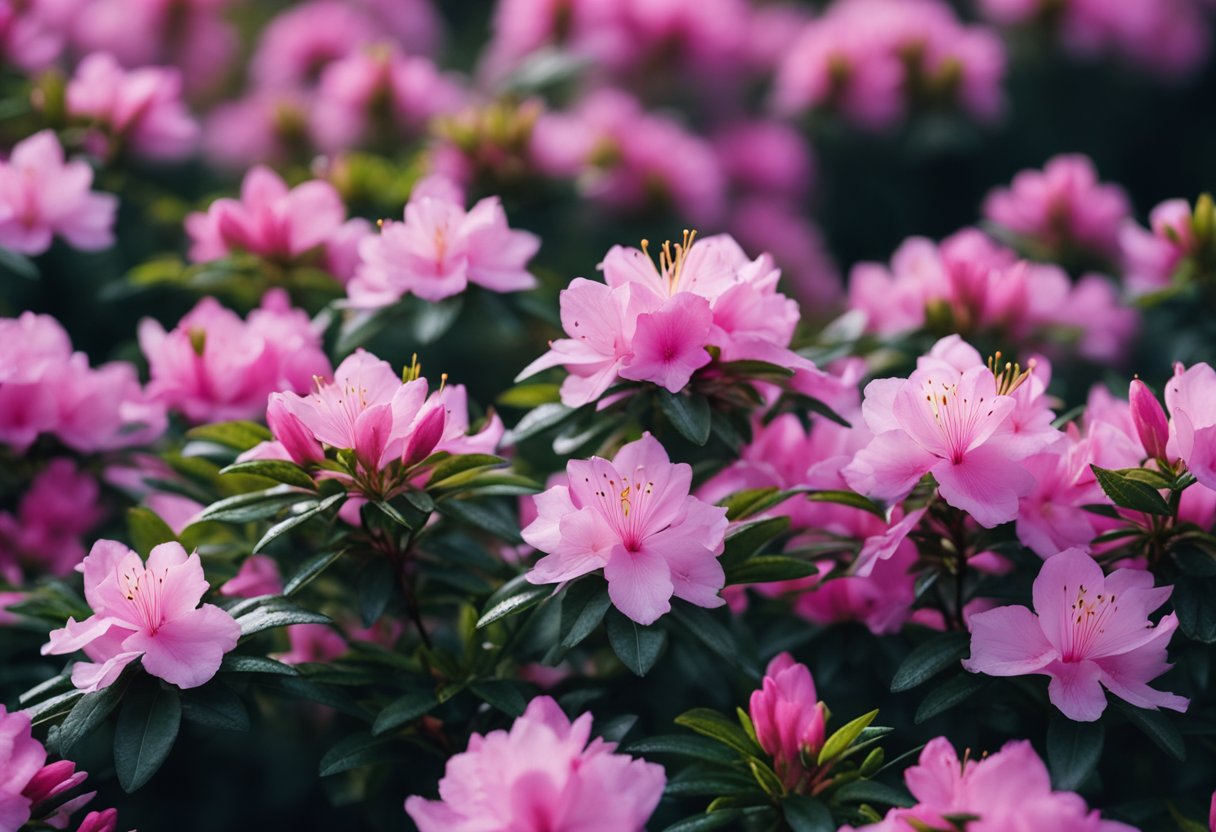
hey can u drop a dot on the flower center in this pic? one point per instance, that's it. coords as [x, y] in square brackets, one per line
[143, 589]
[626, 505]
[1086, 623]
[957, 417]
[672, 257]
[1010, 376]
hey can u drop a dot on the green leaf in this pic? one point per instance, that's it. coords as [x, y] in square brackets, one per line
[216, 706]
[839, 742]
[239, 435]
[53, 708]
[716, 726]
[584, 604]
[502, 694]
[1195, 602]
[257, 505]
[86, 715]
[1129, 493]
[277, 612]
[528, 396]
[454, 470]
[752, 369]
[537, 421]
[636, 646]
[256, 664]
[708, 822]
[766, 568]
[355, 751]
[850, 499]
[708, 630]
[279, 470]
[1194, 560]
[279, 529]
[1073, 750]
[490, 517]
[18, 264]
[147, 530]
[699, 748]
[407, 708]
[1156, 726]
[746, 539]
[312, 569]
[949, 694]
[929, 659]
[377, 585]
[1155, 479]
[433, 319]
[873, 791]
[515, 596]
[743, 504]
[147, 728]
[689, 415]
[766, 778]
[806, 814]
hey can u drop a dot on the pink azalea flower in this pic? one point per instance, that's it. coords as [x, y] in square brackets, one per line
[1151, 256]
[142, 108]
[149, 611]
[957, 425]
[215, 367]
[312, 643]
[541, 774]
[298, 43]
[29, 36]
[788, 717]
[103, 821]
[1088, 631]
[881, 600]
[1009, 791]
[1149, 418]
[61, 505]
[634, 518]
[21, 758]
[258, 576]
[1062, 206]
[1191, 397]
[274, 222]
[42, 196]
[263, 127]
[441, 248]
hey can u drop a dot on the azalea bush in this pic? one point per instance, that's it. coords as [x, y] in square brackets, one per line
[607, 415]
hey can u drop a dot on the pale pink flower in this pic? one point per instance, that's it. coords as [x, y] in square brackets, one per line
[788, 717]
[441, 248]
[541, 774]
[634, 518]
[60, 507]
[958, 425]
[30, 38]
[214, 367]
[1009, 791]
[149, 611]
[42, 195]
[258, 576]
[1088, 631]
[1191, 397]
[312, 643]
[298, 43]
[882, 600]
[141, 108]
[21, 758]
[274, 222]
[1062, 207]
[1151, 256]
[263, 127]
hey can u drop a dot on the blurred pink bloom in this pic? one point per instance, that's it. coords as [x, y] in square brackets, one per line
[797, 246]
[1005, 791]
[633, 517]
[882, 600]
[149, 611]
[788, 717]
[21, 758]
[312, 643]
[104, 821]
[142, 108]
[628, 158]
[215, 367]
[298, 43]
[1062, 207]
[29, 36]
[263, 127]
[440, 248]
[766, 156]
[275, 222]
[1151, 257]
[956, 424]
[863, 57]
[541, 774]
[258, 575]
[41, 196]
[59, 508]
[1191, 397]
[1087, 631]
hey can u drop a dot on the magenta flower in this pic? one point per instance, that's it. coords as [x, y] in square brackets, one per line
[1062, 206]
[274, 222]
[214, 367]
[1088, 631]
[142, 108]
[1191, 397]
[104, 821]
[259, 575]
[542, 774]
[957, 425]
[1149, 418]
[21, 758]
[634, 518]
[149, 611]
[42, 195]
[312, 643]
[788, 717]
[1009, 791]
[441, 248]
[61, 505]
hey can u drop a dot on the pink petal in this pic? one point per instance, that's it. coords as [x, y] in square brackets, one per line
[669, 345]
[1008, 641]
[985, 484]
[639, 584]
[1076, 691]
[187, 650]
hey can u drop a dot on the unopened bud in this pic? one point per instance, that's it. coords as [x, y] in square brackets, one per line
[1149, 418]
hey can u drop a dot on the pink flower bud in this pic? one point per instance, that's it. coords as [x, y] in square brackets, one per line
[53, 780]
[788, 717]
[287, 428]
[106, 821]
[426, 435]
[1149, 419]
